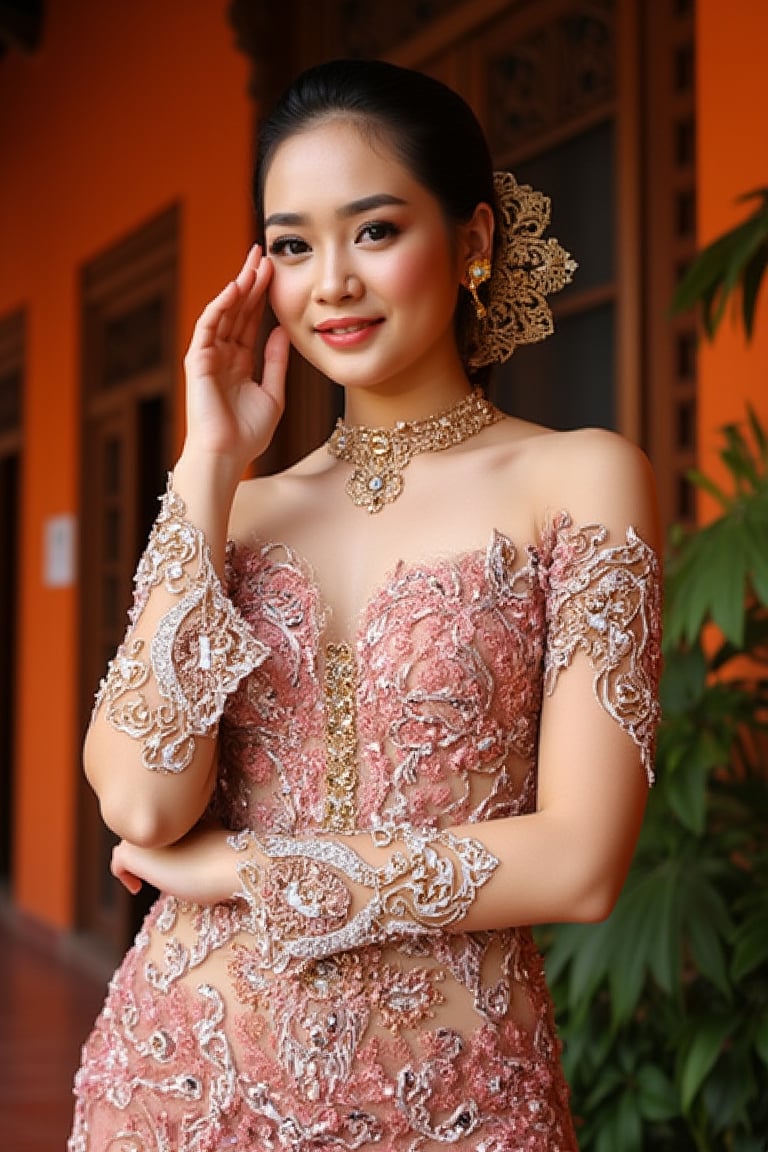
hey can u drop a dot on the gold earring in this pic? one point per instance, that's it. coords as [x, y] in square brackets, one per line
[478, 272]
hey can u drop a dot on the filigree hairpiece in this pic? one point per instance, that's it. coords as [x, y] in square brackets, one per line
[526, 268]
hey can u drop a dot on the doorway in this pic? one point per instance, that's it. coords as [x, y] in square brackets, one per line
[129, 309]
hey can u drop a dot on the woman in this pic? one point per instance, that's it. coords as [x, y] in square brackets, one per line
[421, 715]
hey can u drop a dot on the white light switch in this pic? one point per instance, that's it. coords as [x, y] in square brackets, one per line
[59, 560]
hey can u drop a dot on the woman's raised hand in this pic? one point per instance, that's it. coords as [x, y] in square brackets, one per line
[229, 413]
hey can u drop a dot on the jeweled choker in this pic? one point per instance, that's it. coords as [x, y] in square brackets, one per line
[380, 454]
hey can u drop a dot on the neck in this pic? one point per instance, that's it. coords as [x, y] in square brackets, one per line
[406, 399]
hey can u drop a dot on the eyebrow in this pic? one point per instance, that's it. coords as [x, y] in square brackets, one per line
[354, 208]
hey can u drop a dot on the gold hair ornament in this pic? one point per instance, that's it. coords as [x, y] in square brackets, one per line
[526, 269]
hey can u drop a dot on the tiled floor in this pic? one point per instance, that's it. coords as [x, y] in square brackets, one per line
[47, 1006]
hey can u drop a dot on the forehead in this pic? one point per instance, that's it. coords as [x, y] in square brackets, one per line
[336, 160]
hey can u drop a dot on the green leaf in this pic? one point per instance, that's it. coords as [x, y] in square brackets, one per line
[756, 194]
[760, 1040]
[683, 679]
[610, 1079]
[728, 581]
[621, 1128]
[758, 432]
[757, 556]
[708, 485]
[657, 1097]
[736, 454]
[629, 943]
[590, 961]
[665, 951]
[629, 1128]
[719, 268]
[728, 1095]
[567, 943]
[751, 945]
[752, 278]
[708, 577]
[703, 1051]
[706, 924]
[687, 787]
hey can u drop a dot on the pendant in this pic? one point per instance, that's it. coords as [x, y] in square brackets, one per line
[378, 480]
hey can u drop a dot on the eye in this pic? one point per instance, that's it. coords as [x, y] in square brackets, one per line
[376, 231]
[288, 246]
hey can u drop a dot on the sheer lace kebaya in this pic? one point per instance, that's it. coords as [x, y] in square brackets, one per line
[273, 1021]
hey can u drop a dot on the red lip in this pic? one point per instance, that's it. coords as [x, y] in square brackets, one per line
[348, 332]
[346, 322]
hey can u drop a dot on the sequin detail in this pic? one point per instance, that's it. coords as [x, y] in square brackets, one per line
[201, 649]
[341, 738]
[605, 602]
[435, 1040]
[299, 900]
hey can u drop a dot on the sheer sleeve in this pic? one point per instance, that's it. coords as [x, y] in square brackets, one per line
[167, 684]
[605, 601]
[299, 890]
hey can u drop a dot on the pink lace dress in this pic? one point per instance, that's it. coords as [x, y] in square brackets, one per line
[443, 1039]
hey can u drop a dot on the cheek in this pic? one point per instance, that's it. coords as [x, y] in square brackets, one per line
[285, 296]
[417, 272]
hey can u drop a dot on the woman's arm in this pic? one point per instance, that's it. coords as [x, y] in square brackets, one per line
[312, 895]
[149, 750]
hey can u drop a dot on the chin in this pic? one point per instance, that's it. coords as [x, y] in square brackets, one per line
[352, 375]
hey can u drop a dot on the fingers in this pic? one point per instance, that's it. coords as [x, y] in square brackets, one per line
[276, 365]
[128, 879]
[245, 328]
[236, 315]
[236, 312]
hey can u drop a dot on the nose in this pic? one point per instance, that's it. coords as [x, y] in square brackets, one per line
[336, 280]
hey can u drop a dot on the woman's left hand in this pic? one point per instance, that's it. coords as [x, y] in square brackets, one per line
[201, 867]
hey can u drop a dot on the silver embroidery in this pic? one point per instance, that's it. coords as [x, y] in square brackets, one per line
[352, 1050]
[605, 602]
[418, 890]
[201, 650]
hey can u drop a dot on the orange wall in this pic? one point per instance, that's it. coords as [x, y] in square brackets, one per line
[129, 106]
[732, 159]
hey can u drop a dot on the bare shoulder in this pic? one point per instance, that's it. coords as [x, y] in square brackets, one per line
[265, 505]
[597, 477]
[593, 454]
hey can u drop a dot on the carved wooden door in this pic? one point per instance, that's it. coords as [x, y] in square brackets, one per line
[130, 364]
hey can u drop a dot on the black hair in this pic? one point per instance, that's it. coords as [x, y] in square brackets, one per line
[431, 129]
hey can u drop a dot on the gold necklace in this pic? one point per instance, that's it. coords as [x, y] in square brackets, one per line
[381, 454]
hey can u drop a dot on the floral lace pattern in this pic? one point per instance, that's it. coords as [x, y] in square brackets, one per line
[300, 902]
[607, 603]
[201, 649]
[434, 1040]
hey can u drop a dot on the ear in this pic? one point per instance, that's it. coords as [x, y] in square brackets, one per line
[476, 238]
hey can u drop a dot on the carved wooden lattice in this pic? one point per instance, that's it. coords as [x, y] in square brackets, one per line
[135, 342]
[368, 30]
[552, 76]
[670, 204]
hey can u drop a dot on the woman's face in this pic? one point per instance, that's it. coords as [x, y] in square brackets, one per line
[366, 271]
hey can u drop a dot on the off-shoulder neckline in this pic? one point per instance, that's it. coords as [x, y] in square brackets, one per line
[400, 569]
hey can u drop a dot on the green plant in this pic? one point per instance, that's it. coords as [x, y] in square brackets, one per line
[734, 263]
[663, 1008]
